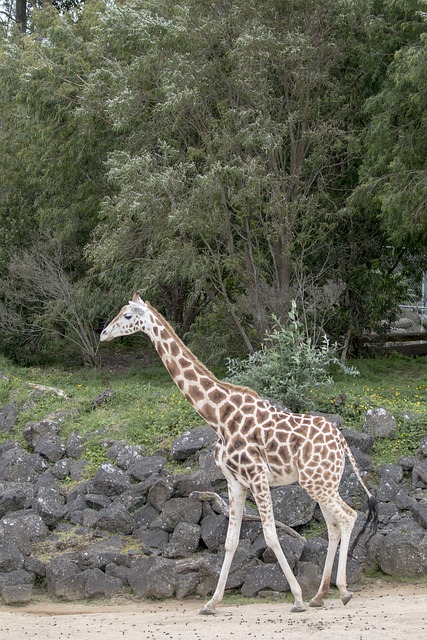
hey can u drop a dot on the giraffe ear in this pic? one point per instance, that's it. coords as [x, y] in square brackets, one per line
[136, 297]
[137, 307]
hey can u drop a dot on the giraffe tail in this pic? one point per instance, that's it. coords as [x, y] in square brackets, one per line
[372, 515]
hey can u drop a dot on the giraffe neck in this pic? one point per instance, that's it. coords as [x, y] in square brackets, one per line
[199, 385]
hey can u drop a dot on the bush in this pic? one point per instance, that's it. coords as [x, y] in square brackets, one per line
[289, 366]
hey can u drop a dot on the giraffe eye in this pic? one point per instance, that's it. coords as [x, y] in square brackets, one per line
[128, 316]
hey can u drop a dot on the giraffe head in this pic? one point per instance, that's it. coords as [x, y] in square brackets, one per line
[133, 317]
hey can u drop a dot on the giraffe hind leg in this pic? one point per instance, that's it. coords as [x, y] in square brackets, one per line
[340, 519]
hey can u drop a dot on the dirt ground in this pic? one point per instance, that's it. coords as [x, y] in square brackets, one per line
[381, 610]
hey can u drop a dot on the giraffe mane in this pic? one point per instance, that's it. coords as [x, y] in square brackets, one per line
[190, 355]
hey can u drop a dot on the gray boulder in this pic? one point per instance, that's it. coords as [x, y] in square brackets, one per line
[160, 492]
[362, 441]
[50, 505]
[11, 558]
[183, 542]
[403, 550]
[178, 510]
[152, 538]
[109, 481]
[213, 531]
[100, 585]
[142, 469]
[64, 579]
[380, 423]
[153, 577]
[192, 441]
[74, 445]
[15, 496]
[292, 505]
[17, 594]
[267, 576]
[8, 417]
[116, 518]
[124, 454]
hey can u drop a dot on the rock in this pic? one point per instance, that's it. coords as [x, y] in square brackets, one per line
[183, 542]
[115, 518]
[214, 531]
[8, 417]
[391, 472]
[74, 445]
[388, 490]
[422, 448]
[211, 473]
[50, 505]
[419, 475]
[186, 483]
[292, 548]
[153, 577]
[292, 505]
[362, 441]
[61, 469]
[186, 584]
[98, 557]
[51, 447]
[17, 465]
[192, 441]
[103, 398]
[35, 566]
[419, 511]
[146, 467]
[267, 576]
[100, 585]
[96, 501]
[33, 431]
[178, 510]
[145, 516]
[65, 580]
[17, 594]
[153, 538]
[15, 496]
[309, 576]
[124, 454]
[404, 500]
[380, 423]
[24, 528]
[403, 551]
[117, 571]
[16, 577]
[161, 491]
[11, 558]
[109, 481]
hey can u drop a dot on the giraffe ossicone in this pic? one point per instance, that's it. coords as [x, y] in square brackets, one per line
[258, 446]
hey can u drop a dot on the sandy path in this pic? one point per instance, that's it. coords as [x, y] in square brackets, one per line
[379, 611]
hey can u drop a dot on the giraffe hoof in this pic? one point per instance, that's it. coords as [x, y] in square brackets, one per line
[207, 612]
[346, 599]
[316, 603]
[298, 608]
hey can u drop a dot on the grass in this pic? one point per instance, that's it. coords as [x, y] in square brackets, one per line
[148, 409]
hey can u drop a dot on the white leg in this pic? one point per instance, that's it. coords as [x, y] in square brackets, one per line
[334, 534]
[340, 519]
[265, 507]
[237, 496]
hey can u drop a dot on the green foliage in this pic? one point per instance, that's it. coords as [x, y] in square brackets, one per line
[289, 367]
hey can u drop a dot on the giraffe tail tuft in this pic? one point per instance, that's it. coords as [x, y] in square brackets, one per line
[371, 522]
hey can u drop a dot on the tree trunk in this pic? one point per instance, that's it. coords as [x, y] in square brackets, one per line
[21, 15]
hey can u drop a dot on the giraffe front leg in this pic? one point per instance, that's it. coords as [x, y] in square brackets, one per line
[262, 495]
[237, 496]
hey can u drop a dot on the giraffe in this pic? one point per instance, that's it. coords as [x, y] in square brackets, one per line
[259, 445]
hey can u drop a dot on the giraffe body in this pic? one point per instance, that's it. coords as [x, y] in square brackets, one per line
[258, 446]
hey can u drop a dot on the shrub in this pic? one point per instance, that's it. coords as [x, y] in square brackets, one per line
[289, 365]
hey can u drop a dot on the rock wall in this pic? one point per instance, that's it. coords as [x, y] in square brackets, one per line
[136, 527]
